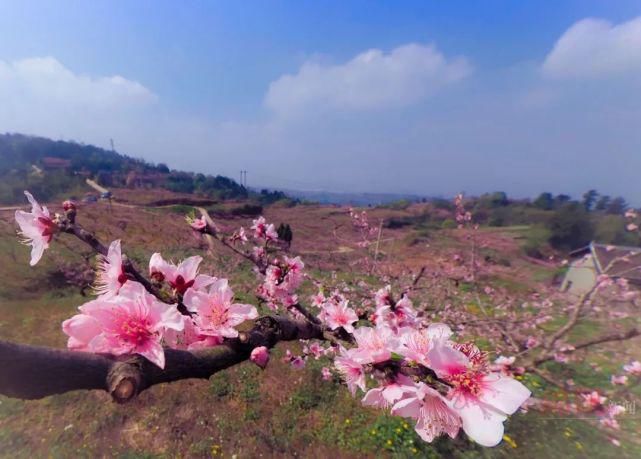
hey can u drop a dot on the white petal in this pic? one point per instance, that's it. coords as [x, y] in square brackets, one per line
[504, 393]
[481, 423]
[37, 250]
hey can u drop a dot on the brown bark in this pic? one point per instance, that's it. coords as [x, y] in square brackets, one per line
[32, 372]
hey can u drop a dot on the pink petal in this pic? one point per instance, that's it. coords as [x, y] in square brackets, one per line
[153, 352]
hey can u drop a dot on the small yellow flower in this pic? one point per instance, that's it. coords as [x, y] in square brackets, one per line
[348, 421]
[389, 442]
[578, 445]
[398, 430]
[414, 450]
[509, 441]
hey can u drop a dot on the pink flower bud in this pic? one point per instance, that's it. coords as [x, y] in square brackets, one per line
[260, 356]
[68, 205]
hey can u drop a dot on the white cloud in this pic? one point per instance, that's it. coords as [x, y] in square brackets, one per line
[41, 96]
[371, 80]
[595, 48]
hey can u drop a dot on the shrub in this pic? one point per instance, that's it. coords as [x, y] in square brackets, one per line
[448, 224]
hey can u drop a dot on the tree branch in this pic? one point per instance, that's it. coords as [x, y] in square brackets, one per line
[32, 372]
[632, 333]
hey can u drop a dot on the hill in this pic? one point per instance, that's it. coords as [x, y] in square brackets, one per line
[55, 168]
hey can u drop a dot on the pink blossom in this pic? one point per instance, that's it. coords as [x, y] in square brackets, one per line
[262, 230]
[260, 356]
[531, 342]
[630, 213]
[415, 344]
[216, 314]
[36, 228]
[326, 374]
[132, 322]
[68, 205]
[189, 338]
[398, 315]
[314, 349]
[351, 370]
[374, 345]
[619, 380]
[502, 364]
[632, 227]
[388, 393]
[608, 416]
[318, 300]
[431, 411]
[281, 280]
[181, 277]
[110, 276]
[338, 315]
[383, 297]
[634, 368]
[593, 400]
[239, 236]
[482, 400]
[298, 362]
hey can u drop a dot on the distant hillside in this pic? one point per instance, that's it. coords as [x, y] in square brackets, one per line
[53, 168]
[354, 199]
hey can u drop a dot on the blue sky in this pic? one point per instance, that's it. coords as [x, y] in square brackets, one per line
[425, 97]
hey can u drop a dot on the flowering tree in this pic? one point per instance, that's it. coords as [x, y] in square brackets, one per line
[175, 323]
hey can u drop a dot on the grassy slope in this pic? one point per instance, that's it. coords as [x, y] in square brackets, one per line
[275, 413]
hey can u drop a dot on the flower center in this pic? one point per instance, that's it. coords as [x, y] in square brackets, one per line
[218, 316]
[122, 277]
[135, 330]
[48, 227]
[467, 382]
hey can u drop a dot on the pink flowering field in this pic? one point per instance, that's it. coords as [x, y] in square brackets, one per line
[283, 410]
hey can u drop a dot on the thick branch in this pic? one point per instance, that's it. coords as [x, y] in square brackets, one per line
[32, 372]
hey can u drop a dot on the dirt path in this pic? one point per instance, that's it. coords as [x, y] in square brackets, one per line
[96, 187]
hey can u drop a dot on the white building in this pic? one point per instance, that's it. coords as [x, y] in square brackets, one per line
[595, 259]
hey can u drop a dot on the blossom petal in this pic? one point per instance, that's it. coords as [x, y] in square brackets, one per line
[504, 393]
[481, 423]
[153, 352]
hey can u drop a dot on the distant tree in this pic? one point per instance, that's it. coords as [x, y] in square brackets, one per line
[496, 199]
[162, 168]
[561, 199]
[617, 206]
[545, 201]
[285, 233]
[104, 178]
[589, 199]
[603, 202]
[570, 227]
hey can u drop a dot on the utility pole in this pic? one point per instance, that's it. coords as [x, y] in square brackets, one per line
[243, 178]
[112, 145]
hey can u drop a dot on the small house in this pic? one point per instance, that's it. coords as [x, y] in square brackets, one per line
[596, 259]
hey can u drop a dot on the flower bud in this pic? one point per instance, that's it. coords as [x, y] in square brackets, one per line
[260, 356]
